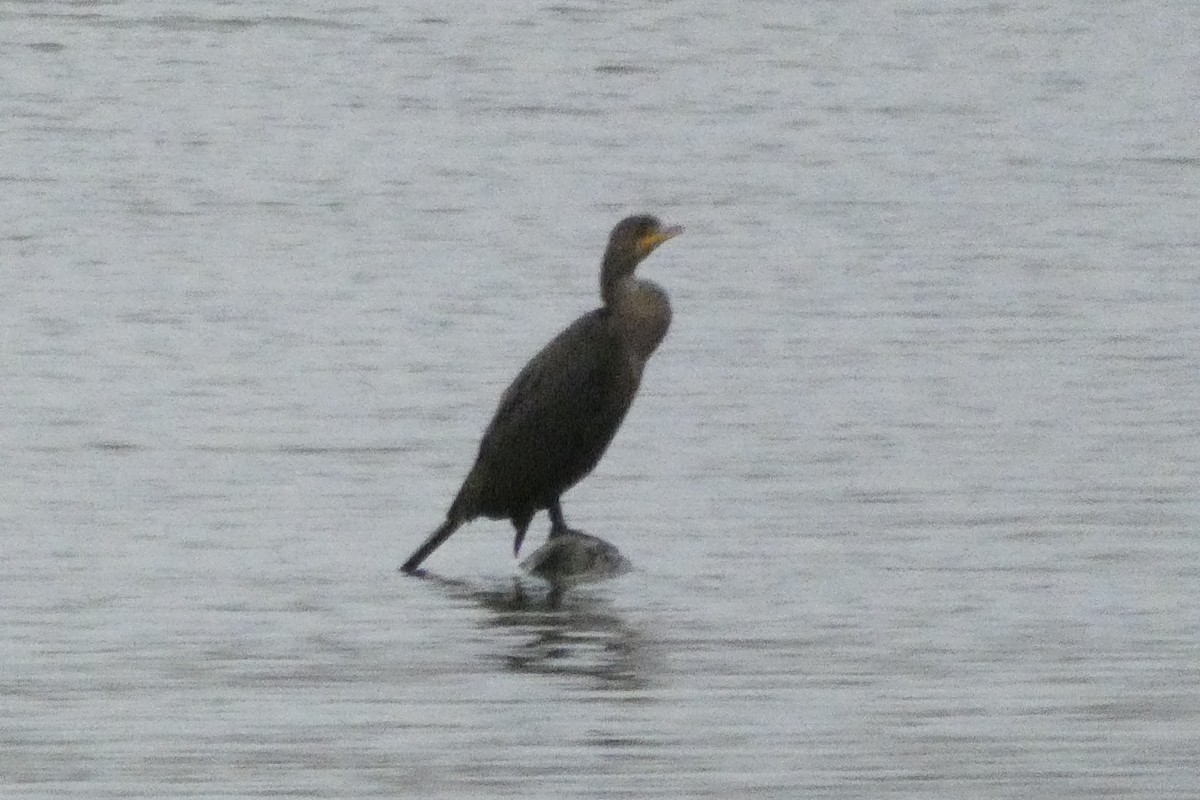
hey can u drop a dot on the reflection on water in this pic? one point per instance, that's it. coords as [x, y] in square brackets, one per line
[557, 632]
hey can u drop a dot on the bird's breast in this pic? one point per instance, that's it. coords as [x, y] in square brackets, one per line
[642, 317]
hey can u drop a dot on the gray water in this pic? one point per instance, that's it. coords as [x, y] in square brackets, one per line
[911, 489]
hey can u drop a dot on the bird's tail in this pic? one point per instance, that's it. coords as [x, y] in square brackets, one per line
[434, 541]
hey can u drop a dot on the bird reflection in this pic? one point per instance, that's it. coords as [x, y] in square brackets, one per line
[551, 633]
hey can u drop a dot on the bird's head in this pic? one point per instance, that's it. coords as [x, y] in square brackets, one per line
[632, 240]
[642, 234]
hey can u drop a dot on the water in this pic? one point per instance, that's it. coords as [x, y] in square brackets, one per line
[910, 490]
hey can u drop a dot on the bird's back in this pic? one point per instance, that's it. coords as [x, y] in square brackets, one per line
[554, 421]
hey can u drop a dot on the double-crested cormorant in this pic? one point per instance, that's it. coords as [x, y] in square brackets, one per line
[556, 419]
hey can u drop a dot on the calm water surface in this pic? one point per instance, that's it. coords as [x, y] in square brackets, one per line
[911, 488]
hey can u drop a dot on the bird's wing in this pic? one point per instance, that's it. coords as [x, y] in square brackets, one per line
[559, 414]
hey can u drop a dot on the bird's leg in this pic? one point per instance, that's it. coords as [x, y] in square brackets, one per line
[521, 524]
[558, 525]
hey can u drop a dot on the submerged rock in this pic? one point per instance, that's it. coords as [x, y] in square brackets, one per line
[575, 558]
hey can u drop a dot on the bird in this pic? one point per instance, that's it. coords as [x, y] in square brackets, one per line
[557, 417]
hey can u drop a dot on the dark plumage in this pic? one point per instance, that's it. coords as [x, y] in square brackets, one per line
[556, 419]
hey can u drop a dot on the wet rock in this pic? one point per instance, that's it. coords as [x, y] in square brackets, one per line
[575, 558]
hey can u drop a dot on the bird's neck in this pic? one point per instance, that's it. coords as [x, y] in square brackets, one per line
[616, 272]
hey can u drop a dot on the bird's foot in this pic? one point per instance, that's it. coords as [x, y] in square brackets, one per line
[563, 530]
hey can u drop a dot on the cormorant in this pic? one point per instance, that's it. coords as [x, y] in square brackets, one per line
[558, 416]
